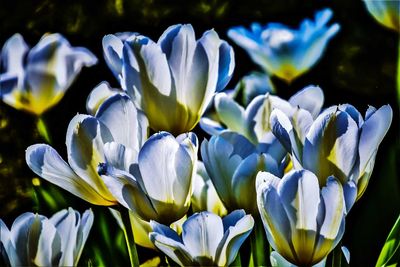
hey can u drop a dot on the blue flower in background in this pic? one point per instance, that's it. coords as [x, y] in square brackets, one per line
[35, 240]
[35, 80]
[386, 13]
[207, 240]
[285, 52]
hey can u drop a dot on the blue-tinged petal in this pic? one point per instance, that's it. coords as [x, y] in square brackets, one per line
[243, 181]
[372, 132]
[331, 146]
[240, 227]
[201, 234]
[243, 38]
[350, 192]
[210, 126]
[66, 223]
[13, 54]
[273, 215]
[173, 249]
[371, 110]
[10, 254]
[253, 85]
[226, 65]
[333, 199]
[8, 82]
[302, 121]
[47, 163]
[353, 112]
[232, 218]
[85, 225]
[49, 248]
[278, 261]
[283, 130]
[167, 38]
[165, 231]
[119, 156]
[166, 168]
[310, 98]
[385, 12]
[98, 95]
[85, 141]
[125, 188]
[128, 125]
[230, 113]
[112, 49]
[300, 195]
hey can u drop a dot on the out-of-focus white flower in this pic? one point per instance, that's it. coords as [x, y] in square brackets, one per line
[35, 240]
[35, 80]
[386, 12]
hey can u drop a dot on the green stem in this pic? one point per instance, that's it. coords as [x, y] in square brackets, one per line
[129, 238]
[398, 74]
[259, 245]
[43, 129]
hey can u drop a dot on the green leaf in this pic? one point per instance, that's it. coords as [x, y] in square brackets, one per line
[390, 254]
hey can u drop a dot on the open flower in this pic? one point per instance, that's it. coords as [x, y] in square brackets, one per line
[158, 185]
[284, 52]
[232, 163]
[386, 13]
[116, 121]
[303, 222]
[253, 122]
[339, 143]
[172, 80]
[36, 80]
[35, 240]
[207, 240]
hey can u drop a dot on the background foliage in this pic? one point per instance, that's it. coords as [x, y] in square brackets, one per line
[358, 67]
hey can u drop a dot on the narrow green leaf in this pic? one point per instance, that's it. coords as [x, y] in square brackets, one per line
[390, 254]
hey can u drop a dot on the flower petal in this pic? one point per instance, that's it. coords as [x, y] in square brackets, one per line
[310, 98]
[47, 163]
[202, 233]
[98, 95]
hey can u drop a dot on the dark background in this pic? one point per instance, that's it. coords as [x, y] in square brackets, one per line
[358, 67]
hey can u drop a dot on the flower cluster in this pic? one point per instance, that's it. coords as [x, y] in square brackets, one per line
[290, 166]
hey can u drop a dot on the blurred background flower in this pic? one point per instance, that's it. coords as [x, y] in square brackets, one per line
[285, 52]
[386, 13]
[35, 240]
[35, 80]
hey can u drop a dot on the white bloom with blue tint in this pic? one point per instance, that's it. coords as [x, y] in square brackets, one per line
[158, 184]
[207, 240]
[339, 142]
[253, 121]
[386, 12]
[232, 162]
[172, 80]
[285, 52]
[35, 80]
[303, 222]
[35, 240]
[117, 120]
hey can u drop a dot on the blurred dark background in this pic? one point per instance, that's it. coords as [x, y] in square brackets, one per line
[358, 67]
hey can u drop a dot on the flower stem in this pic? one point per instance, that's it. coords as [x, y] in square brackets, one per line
[259, 245]
[129, 238]
[43, 129]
